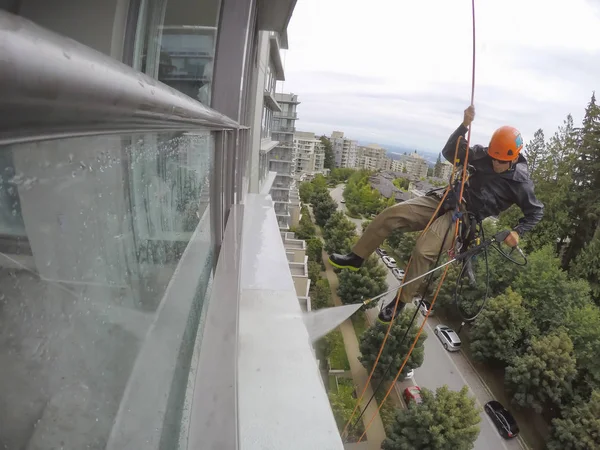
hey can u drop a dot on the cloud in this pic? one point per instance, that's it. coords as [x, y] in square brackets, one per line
[398, 72]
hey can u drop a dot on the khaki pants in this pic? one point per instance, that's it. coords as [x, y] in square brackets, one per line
[411, 215]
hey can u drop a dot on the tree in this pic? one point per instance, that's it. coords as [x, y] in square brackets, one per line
[306, 190]
[587, 265]
[547, 290]
[320, 296]
[367, 282]
[338, 233]
[329, 162]
[323, 207]
[437, 169]
[314, 271]
[402, 183]
[305, 229]
[341, 174]
[502, 329]
[395, 238]
[429, 172]
[535, 151]
[448, 420]
[395, 349]
[579, 428]
[583, 325]
[314, 250]
[406, 245]
[543, 375]
[365, 224]
[586, 182]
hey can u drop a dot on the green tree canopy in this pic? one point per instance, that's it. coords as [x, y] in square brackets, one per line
[395, 350]
[314, 271]
[314, 250]
[401, 183]
[583, 326]
[306, 190]
[542, 375]
[323, 207]
[446, 420]
[338, 233]
[587, 265]
[547, 290]
[367, 282]
[502, 329]
[305, 229]
[342, 404]
[329, 162]
[579, 428]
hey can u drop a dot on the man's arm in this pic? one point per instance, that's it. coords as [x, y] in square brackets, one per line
[533, 209]
[449, 150]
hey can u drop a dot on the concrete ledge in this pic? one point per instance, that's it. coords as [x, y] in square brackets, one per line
[282, 402]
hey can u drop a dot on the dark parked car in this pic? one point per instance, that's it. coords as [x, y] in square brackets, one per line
[504, 421]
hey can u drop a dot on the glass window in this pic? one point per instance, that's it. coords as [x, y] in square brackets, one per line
[175, 43]
[96, 236]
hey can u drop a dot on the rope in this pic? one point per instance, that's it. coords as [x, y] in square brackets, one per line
[456, 230]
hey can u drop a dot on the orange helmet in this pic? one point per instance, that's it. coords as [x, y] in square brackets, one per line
[506, 143]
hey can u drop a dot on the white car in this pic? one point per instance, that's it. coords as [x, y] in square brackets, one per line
[410, 374]
[388, 261]
[448, 338]
[398, 273]
[424, 307]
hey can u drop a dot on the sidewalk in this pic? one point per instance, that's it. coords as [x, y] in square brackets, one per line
[376, 432]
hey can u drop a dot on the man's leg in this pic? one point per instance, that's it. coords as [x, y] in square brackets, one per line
[424, 255]
[411, 215]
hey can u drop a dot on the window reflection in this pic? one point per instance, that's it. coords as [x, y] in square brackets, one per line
[93, 230]
[175, 43]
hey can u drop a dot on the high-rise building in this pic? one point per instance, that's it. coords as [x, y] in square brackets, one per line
[283, 158]
[445, 170]
[310, 153]
[372, 157]
[344, 150]
[139, 236]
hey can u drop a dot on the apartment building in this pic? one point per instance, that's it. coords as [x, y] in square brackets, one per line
[283, 159]
[413, 164]
[372, 157]
[310, 153]
[139, 238]
[444, 171]
[344, 150]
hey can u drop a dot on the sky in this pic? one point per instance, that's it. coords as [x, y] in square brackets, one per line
[398, 72]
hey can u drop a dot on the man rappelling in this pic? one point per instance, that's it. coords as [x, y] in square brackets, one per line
[498, 178]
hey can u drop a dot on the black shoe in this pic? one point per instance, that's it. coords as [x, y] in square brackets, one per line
[470, 273]
[385, 315]
[349, 261]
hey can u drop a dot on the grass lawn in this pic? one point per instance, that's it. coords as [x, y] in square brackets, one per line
[332, 384]
[338, 357]
[359, 320]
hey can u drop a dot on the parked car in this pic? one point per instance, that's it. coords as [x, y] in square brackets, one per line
[448, 338]
[504, 420]
[398, 273]
[424, 307]
[389, 261]
[342, 201]
[410, 374]
[413, 394]
[380, 251]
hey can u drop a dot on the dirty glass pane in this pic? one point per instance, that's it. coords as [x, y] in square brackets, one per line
[105, 258]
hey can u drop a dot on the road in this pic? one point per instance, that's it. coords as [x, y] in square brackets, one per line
[443, 368]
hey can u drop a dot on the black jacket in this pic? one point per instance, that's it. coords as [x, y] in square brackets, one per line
[488, 193]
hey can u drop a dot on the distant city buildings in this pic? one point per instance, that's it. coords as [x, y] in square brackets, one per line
[310, 153]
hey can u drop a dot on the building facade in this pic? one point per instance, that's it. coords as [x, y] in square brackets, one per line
[310, 153]
[344, 150]
[372, 157]
[137, 234]
[284, 159]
